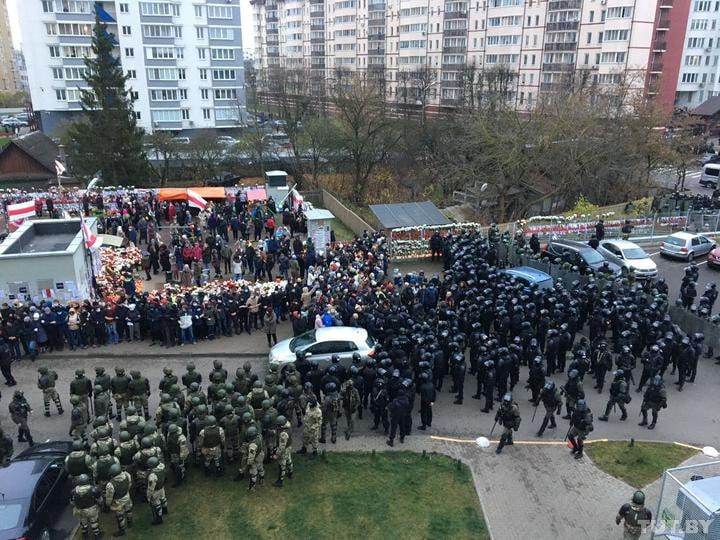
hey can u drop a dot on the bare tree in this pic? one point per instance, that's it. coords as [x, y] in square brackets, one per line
[166, 151]
[319, 144]
[366, 132]
[204, 155]
[424, 82]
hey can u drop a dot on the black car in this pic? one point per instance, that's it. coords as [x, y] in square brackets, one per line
[34, 490]
[578, 254]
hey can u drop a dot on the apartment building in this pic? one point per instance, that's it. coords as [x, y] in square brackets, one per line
[184, 59]
[536, 46]
[7, 77]
[20, 71]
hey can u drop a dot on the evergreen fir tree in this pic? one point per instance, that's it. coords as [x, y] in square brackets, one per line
[107, 139]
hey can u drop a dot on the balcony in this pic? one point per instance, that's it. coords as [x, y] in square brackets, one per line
[659, 46]
[454, 50]
[450, 84]
[319, 14]
[460, 32]
[317, 27]
[663, 24]
[561, 46]
[558, 67]
[376, 51]
[449, 102]
[562, 26]
[377, 36]
[564, 4]
[377, 7]
[455, 15]
[666, 4]
[656, 67]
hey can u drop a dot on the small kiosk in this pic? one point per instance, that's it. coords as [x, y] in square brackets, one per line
[319, 226]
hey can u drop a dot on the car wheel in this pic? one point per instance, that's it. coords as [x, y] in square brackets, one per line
[691, 256]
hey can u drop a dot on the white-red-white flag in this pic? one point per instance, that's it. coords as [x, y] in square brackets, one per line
[195, 200]
[59, 168]
[92, 241]
[21, 211]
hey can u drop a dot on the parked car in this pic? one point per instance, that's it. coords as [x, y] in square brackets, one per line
[709, 176]
[579, 254]
[35, 490]
[530, 276]
[629, 255]
[13, 122]
[686, 245]
[713, 259]
[320, 344]
[226, 140]
[181, 140]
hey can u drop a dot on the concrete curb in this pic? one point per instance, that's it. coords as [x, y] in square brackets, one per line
[188, 354]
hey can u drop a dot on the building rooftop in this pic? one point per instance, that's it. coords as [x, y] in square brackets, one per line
[43, 237]
[414, 214]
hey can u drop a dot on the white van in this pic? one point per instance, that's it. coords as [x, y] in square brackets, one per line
[710, 173]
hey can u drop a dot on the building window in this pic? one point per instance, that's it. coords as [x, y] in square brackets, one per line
[57, 73]
[126, 31]
[47, 6]
[200, 32]
[182, 92]
[51, 29]
[54, 51]
[206, 114]
[134, 95]
[129, 52]
[204, 93]
[185, 114]
[203, 74]
[198, 11]
[138, 116]
[132, 74]
[592, 15]
[201, 53]
[181, 74]
[124, 8]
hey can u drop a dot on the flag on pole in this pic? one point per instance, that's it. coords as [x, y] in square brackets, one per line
[21, 211]
[59, 168]
[92, 241]
[195, 200]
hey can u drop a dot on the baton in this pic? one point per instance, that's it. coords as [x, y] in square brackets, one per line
[567, 434]
[535, 411]
[493, 429]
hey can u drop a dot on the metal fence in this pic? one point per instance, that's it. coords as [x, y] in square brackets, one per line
[689, 503]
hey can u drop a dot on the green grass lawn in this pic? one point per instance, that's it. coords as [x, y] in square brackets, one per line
[640, 464]
[387, 495]
[342, 232]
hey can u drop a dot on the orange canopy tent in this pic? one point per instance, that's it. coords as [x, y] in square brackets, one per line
[180, 194]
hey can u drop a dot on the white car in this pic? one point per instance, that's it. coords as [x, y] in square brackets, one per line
[686, 245]
[226, 140]
[320, 344]
[629, 255]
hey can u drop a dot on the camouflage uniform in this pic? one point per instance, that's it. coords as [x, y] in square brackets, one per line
[255, 458]
[211, 441]
[283, 452]
[350, 402]
[231, 425]
[119, 386]
[330, 414]
[311, 428]
[46, 383]
[85, 508]
[117, 499]
[156, 492]
[178, 452]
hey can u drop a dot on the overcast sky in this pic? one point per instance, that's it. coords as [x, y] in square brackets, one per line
[246, 12]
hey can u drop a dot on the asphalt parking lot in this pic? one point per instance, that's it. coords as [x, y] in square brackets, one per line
[673, 270]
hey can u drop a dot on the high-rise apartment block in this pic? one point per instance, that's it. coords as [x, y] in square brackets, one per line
[539, 45]
[184, 59]
[7, 78]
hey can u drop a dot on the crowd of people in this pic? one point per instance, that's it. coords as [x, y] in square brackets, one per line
[476, 324]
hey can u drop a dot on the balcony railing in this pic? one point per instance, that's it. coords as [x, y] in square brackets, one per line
[564, 4]
[561, 46]
[377, 51]
[558, 67]
[452, 50]
[659, 46]
[663, 23]
[455, 32]
[562, 26]
[377, 7]
[376, 36]
[455, 15]
[656, 67]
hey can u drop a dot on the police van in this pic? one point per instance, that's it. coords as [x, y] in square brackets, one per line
[709, 176]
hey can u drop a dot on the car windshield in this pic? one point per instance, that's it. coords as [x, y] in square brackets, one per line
[370, 341]
[591, 256]
[675, 241]
[302, 341]
[634, 253]
[10, 515]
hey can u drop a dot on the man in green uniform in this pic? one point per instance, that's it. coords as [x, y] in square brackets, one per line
[119, 385]
[177, 448]
[255, 457]
[581, 424]
[350, 403]
[81, 387]
[84, 498]
[211, 441]
[104, 381]
[311, 427]
[283, 450]
[77, 419]
[634, 516]
[156, 490]
[126, 450]
[78, 462]
[46, 383]
[139, 389]
[117, 497]
[19, 411]
[230, 424]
